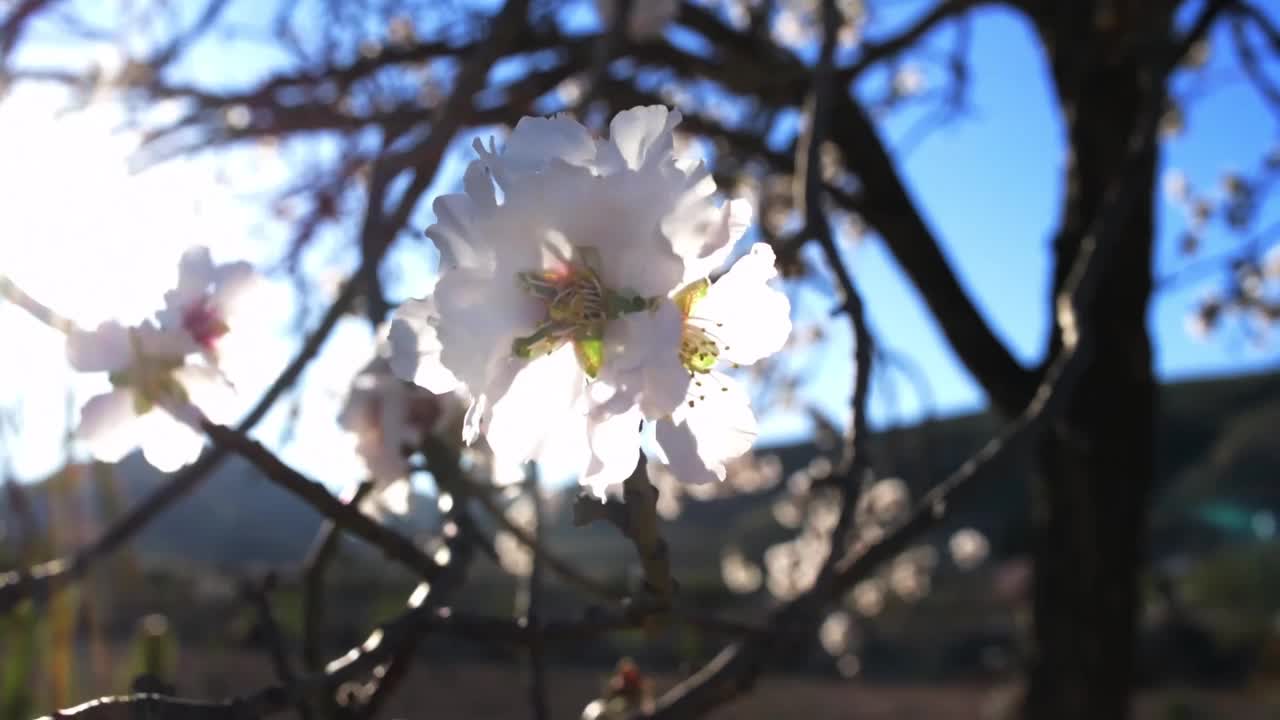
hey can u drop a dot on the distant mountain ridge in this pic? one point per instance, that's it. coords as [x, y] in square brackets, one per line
[1218, 441]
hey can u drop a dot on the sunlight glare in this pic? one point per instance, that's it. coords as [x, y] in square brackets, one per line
[78, 230]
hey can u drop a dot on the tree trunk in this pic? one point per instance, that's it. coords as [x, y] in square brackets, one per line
[1096, 464]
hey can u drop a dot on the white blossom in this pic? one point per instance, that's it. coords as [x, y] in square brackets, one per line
[526, 313]
[385, 416]
[969, 547]
[156, 400]
[673, 354]
[165, 373]
[648, 17]
[209, 303]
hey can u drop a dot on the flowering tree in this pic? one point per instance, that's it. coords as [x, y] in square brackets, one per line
[591, 285]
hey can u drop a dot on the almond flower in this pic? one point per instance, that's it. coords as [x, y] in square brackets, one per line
[532, 288]
[209, 301]
[164, 372]
[678, 351]
[387, 417]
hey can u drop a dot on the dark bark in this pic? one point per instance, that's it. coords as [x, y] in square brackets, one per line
[889, 208]
[1096, 462]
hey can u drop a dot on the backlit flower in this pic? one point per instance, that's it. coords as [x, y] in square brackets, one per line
[678, 352]
[533, 286]
[165, 373]
[208, 302]
[387, 418]
[156, 400]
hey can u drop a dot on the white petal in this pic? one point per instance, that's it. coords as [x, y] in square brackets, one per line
[642, 135]
[620, 215]
[164, 341]
[748, 319]
[195, 268]
[238, 291]
[357, 413]
[720, 425]
[106, 348]
[195, 272]
[479, 318]
[167, 442]
[642, 359]
[477, 182]
[455, 235]
[614, 442]
[536, 140]
[704, 235]
[679, 450]
[209, 392]
[415, 346]
[109, 425]
[541, 392]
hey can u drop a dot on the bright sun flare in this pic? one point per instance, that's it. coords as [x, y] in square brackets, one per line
[76, 228]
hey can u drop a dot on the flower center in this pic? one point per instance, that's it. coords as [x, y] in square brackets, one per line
[204, 324]
[578, 306]
[699, 348]
[151, 377]
[579, 301]
[699, 352]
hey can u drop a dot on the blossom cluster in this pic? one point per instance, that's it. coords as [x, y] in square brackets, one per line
[575, 297]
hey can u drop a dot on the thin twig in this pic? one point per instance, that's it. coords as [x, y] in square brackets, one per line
[324, 548]
[33, 307]
[604, 51]
[854, 459]
[556, 564]
[538, 692]
[637, 519]
[256, 593]
[874, 52]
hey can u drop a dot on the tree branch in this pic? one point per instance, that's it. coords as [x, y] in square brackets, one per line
[271, 635]
[324, 548]
[875, 52]
[554, 562]
[887, 206]
[36, 309]
[392, 544]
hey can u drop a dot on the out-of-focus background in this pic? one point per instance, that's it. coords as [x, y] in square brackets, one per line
[968, 153]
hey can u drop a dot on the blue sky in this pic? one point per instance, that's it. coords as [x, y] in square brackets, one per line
[989, 184]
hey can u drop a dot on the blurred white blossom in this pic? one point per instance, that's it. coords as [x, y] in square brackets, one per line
[969, 548]
[868, 597]
[740, 575]
[387, 417]
[165, 373]
[836, 634]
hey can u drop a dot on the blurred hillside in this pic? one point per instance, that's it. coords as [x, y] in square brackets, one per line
[1212, 540]
[1219, 466]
